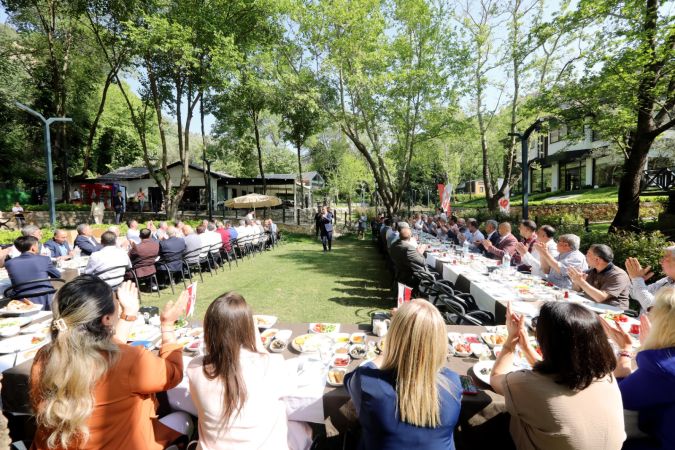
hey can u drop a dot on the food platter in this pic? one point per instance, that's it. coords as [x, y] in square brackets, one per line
[143, 332]
[323, 327]
[336, 377]
[22, 343]
[310, 343]
[20, 308]
[492, 339]
[263, 322]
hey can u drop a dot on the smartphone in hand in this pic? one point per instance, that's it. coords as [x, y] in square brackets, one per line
[468, 388]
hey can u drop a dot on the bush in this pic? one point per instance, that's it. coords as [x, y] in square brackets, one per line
[59, 207]
[8, 236]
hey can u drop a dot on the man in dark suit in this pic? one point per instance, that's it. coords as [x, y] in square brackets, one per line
[119, 205]
[491, 234]
[326, 226]
[143, 255]
[30, 266]
[407, 258]
[59, 247]
[172, 249]
[85, 241]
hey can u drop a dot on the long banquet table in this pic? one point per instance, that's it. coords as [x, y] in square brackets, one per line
[318, 403]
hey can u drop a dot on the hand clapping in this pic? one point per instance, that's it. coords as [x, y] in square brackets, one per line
[635, 270]
[521, 249]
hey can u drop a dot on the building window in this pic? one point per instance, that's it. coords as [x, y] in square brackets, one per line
[573, 175]
[481, 190]
[554, 135]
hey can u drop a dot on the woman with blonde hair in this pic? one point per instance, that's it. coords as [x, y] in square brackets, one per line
[406, 398]
[650, 390]
[89, 389]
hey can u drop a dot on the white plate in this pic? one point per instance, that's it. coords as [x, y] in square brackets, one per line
[454, 337]
[194, 346]
[263, 321]
[486, 338]
[468, 336]
[479, 349]
[21, 343]
[5, 312]
[143, 333]
[10, 331]
[330, 383]
[481, 365]
[311, 343]
[335, 327]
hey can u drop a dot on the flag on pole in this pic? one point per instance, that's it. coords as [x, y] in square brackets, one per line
[404, 294]
[505, 201]
[445, 194]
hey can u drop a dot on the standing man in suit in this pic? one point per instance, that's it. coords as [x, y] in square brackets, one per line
[507, 243]
[59, 247]
[118, 206]
[317, 222]
[30, 266]
[326, 225]
[85, 241]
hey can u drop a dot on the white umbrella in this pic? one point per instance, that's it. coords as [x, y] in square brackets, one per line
[254, 201]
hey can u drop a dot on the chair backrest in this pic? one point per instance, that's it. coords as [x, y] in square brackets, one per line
[480, 318]
[193, 256]
[215, 248]
[19, 290]
[114, 276]
[462, 284]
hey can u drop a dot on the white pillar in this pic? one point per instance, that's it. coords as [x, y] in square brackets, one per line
[589, 172]
[555, 182]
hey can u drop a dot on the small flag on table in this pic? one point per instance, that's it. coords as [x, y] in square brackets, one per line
[404, 294]
[192, 300]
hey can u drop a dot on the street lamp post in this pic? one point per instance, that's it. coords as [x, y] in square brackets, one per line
[525, 163]
[48, 155]
[208, 196]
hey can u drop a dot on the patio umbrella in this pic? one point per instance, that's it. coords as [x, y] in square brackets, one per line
[254, 201]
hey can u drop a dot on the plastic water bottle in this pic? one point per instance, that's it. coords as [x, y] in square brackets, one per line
[465, 249]
[506, 261]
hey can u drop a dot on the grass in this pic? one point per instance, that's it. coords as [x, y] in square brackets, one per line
[297, 282]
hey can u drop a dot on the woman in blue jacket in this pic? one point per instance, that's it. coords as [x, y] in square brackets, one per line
[650, 390]
[405, 398]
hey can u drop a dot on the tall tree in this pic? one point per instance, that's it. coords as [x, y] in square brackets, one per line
[382, 84]
[628, 83]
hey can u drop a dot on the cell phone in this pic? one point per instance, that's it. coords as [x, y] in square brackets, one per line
[468, 387]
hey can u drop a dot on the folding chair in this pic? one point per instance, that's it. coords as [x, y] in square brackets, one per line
[146, 262]
[110, 277]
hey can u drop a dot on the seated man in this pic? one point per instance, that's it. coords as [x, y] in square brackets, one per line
[475, 236]
[109, 257]
[59, 247]
[144, 255]
[491, 235]
[556, 267]
[36, 232]
[506, 244]
[407, 258]
[85, 241]
[133, 233]
[639, 290]
[29, 266]
[224, 235]
[603, 282]
[171, 249]
[531, 258]
[193, 242]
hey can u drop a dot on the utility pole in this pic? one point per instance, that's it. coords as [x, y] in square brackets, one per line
[48, 155]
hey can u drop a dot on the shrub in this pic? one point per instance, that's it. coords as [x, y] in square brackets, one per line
[59, 207]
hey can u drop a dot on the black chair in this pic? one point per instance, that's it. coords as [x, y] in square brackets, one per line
[22, 290]
[451, 310]
[163, 267]
[214, 256]
[192, 260]
[425, 282]
[142, 263]
[113, 280]
[462, 284]
[229, 255]
[480, 318]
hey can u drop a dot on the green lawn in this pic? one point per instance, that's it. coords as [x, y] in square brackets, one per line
[297, 282]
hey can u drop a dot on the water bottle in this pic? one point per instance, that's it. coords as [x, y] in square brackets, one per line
[465, 249]
[506, 261]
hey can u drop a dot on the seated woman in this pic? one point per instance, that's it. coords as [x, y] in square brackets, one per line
[650, 390]
[89, 389]
[405, 401]
[237, 387]
[570, 399]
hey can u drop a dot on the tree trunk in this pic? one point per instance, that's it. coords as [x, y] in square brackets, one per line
[94, 126]
[628, 213]
[302, 192]
[254, 117]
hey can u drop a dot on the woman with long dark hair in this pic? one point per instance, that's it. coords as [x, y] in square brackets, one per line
[237, 387]
[569, 400]
[89, 389]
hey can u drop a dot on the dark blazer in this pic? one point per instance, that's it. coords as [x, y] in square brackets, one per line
[53, 247]
[407, 261]
[118, 203]
[326, 223]
[143, 257]
[87, 245]
[494, 240]
[172, 249]
[28, 267]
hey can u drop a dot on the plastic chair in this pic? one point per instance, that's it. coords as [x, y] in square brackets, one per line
[115, 282]
[163, 266]
[147, 261]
